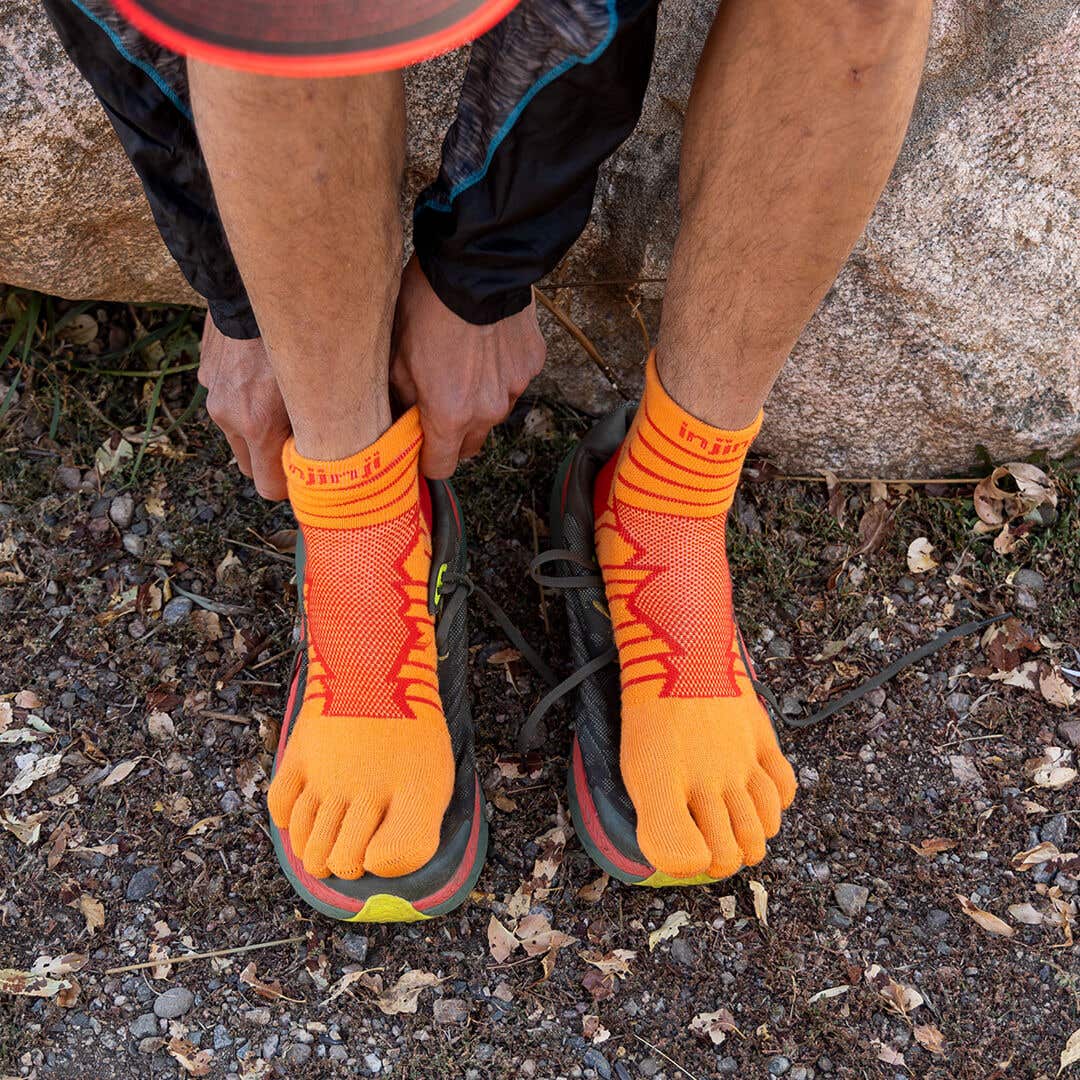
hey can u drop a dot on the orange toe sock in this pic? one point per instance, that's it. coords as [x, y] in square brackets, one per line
[698, 753]
[368, 769]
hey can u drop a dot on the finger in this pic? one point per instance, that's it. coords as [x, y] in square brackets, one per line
[267, 472]
[440, 453]
[474, 441]
[240, 451]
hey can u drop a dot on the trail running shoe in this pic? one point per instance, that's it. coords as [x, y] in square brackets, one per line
[444, 882]
[601, 809]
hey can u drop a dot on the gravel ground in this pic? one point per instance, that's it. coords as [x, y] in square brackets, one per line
[895, 929]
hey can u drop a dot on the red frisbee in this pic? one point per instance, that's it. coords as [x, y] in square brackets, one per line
[311, 38]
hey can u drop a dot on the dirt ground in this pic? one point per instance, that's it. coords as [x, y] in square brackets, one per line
[920, 903]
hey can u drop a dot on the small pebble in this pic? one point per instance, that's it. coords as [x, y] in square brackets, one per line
[143, 1026]
[682, 952]
[850, 899]
[298, 1054]
[176, 610]
[808, 776]
[143, 883]
[779, 1065]
[450, 1011]
[122, 510]
[174, 1003]
[1069, 730]
[1031, 580]
[355, 946]
[68, 477]
[649, 1066]
[373, 1064]
[1056, 830]
[593, 1059]
[134, 545]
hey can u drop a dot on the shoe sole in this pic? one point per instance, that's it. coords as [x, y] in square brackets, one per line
[608, 851]
[445, 882]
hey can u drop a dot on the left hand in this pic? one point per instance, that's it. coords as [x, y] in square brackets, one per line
[465, 378]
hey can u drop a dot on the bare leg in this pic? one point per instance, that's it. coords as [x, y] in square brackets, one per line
[307, 177]
[797, 114]
[796, 117]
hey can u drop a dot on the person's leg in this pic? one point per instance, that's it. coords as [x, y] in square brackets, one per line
[307, 175]
[797, 114]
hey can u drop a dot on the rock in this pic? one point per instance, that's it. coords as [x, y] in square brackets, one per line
[937, 919]
[955, 303]
[593, 1059]
[176, 610]
[134, 545]
[1056, 830]
[1031, 580]
[298, 1054]
[850, 899]
[1069, 730]
[682, 952]
[68, 477]
[174, 1003]
[450, 1011]
[778, 1065]
[727, 1065]
[355, 946]
[143, 883]
[649, 1066]
[122, 510]
[142, 1027]
[373, 1064]
[808, 776]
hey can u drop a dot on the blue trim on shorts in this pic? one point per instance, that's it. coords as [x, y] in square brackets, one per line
[443, 205]
[142, 65]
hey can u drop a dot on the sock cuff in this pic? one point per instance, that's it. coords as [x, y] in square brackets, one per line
[371, 486]
[698, 436]
[674, 463]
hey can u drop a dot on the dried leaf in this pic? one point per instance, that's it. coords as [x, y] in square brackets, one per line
[271, 991]
[404, 995]
[207, 624]
[193, 1062]
[920, 558]
[900, 998]
[709, 1026]
[931, 847]
[501, 942]
[27, 699]
[526, 766]
[93, 911]
[828, 992]
[930, 1038]
[1055, 690]
[35, 769]
[727, 906]
[120, 773]
[761, 902]
[1071, 1054]
[985, 919]
[504, 656]
[670, 929]
[27, 831]
[1040, 853]
[876, 526]
[887, 1054]
[30, 984]
[591, 1028]
[363, 976]
[592, 892]
[615, 962]
[1027, 914]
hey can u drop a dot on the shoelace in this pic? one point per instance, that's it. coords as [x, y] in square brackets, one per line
[590, 579]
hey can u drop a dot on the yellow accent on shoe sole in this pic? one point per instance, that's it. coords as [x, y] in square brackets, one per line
[384, 908]
[659, 880]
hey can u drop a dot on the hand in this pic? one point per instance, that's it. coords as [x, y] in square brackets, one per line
[464, 377]
[244, 401]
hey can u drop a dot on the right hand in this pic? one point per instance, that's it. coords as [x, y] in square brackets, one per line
[243, 399]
